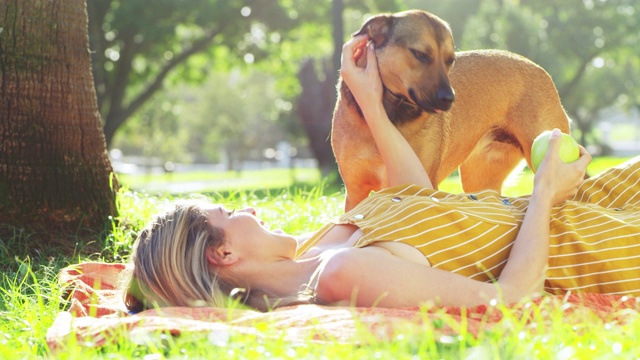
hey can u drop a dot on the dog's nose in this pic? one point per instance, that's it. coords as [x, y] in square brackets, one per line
[445, 98]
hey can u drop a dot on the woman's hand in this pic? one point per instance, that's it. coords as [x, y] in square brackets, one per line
[402, 165]
[360, 72]
[555, 179]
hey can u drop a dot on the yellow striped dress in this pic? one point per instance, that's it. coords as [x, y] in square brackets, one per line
[595, 237]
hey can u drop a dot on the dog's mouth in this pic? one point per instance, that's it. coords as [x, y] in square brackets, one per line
[401, 101]
[413, 104]
[429, 106]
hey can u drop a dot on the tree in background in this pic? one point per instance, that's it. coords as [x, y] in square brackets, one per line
[240, 106]
[159, 132]
[229, 118]
[318, 96]
[55, 176]
[138, 44]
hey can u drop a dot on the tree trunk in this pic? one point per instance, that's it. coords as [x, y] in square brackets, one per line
[318, 97]
[315, 109]
[55, 175]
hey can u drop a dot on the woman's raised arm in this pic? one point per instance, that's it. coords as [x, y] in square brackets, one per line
[402, 164]
[554, 183]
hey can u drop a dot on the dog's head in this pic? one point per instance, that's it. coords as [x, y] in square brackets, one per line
[415, 53]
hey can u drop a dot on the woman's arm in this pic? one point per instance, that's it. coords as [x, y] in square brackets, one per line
[553, 183]
[372, 276]
[402, 164]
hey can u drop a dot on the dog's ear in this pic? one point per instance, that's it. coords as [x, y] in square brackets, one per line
[378, 28]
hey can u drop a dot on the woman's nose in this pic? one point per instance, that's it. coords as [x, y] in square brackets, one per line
[249, 210]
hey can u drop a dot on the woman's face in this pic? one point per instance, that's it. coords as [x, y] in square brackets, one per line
[248, 235]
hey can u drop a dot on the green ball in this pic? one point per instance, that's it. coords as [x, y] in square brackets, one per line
[569, 149]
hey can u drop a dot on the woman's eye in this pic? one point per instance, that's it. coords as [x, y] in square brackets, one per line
[229, 213]
[422, 57]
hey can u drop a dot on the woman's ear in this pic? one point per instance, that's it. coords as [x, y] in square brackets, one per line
[221, 256]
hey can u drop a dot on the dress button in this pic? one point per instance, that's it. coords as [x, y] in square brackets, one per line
[506, 201]
[358, 216]
[396, 199]
[473, 197]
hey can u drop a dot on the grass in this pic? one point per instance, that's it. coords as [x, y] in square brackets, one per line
[220, 181]
[30, 299]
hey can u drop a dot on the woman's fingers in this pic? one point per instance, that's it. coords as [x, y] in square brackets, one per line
[585, 157]
[352, 49]
[357, 54]
[371, 57]
[554, 142]
[553, 151]
[560, 179]
[360, 72]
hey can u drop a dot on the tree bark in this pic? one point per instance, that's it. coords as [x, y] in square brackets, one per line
[318, 97]
[315, 110]
[55, 174]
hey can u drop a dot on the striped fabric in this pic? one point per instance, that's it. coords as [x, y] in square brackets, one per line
[594, 245]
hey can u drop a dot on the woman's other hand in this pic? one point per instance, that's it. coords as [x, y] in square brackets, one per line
[555, 179]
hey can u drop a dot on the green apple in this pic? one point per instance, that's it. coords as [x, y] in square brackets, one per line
[569, 150]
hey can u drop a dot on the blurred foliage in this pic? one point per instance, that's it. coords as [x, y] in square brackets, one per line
[141, 46]
[589, 47]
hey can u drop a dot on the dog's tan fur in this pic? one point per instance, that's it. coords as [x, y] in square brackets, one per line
[502, 102]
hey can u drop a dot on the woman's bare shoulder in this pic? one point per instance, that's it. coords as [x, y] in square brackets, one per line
[344, 270]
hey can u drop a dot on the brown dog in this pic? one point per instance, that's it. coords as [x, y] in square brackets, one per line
[502, 102]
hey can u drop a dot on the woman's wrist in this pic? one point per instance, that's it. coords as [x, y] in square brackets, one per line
[375, 112]
[541, 199]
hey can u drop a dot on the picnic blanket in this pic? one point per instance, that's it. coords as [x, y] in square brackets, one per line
[97, 315]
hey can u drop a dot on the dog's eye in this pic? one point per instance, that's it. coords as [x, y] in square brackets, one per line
[422, 57]
[450, 62]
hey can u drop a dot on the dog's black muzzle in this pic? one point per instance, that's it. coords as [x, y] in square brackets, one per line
[442, 101]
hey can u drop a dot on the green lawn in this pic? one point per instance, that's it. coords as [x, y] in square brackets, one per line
[223, 181]
[30, 299]
[278, 179]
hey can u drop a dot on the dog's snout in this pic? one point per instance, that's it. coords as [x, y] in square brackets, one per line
[445, 98]
[445, 95]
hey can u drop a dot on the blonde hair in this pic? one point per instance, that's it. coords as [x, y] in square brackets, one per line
[169, 266]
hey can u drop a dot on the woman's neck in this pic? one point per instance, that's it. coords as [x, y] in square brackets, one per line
[288, 278]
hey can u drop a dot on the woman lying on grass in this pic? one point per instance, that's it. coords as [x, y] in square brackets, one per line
[407, 244]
